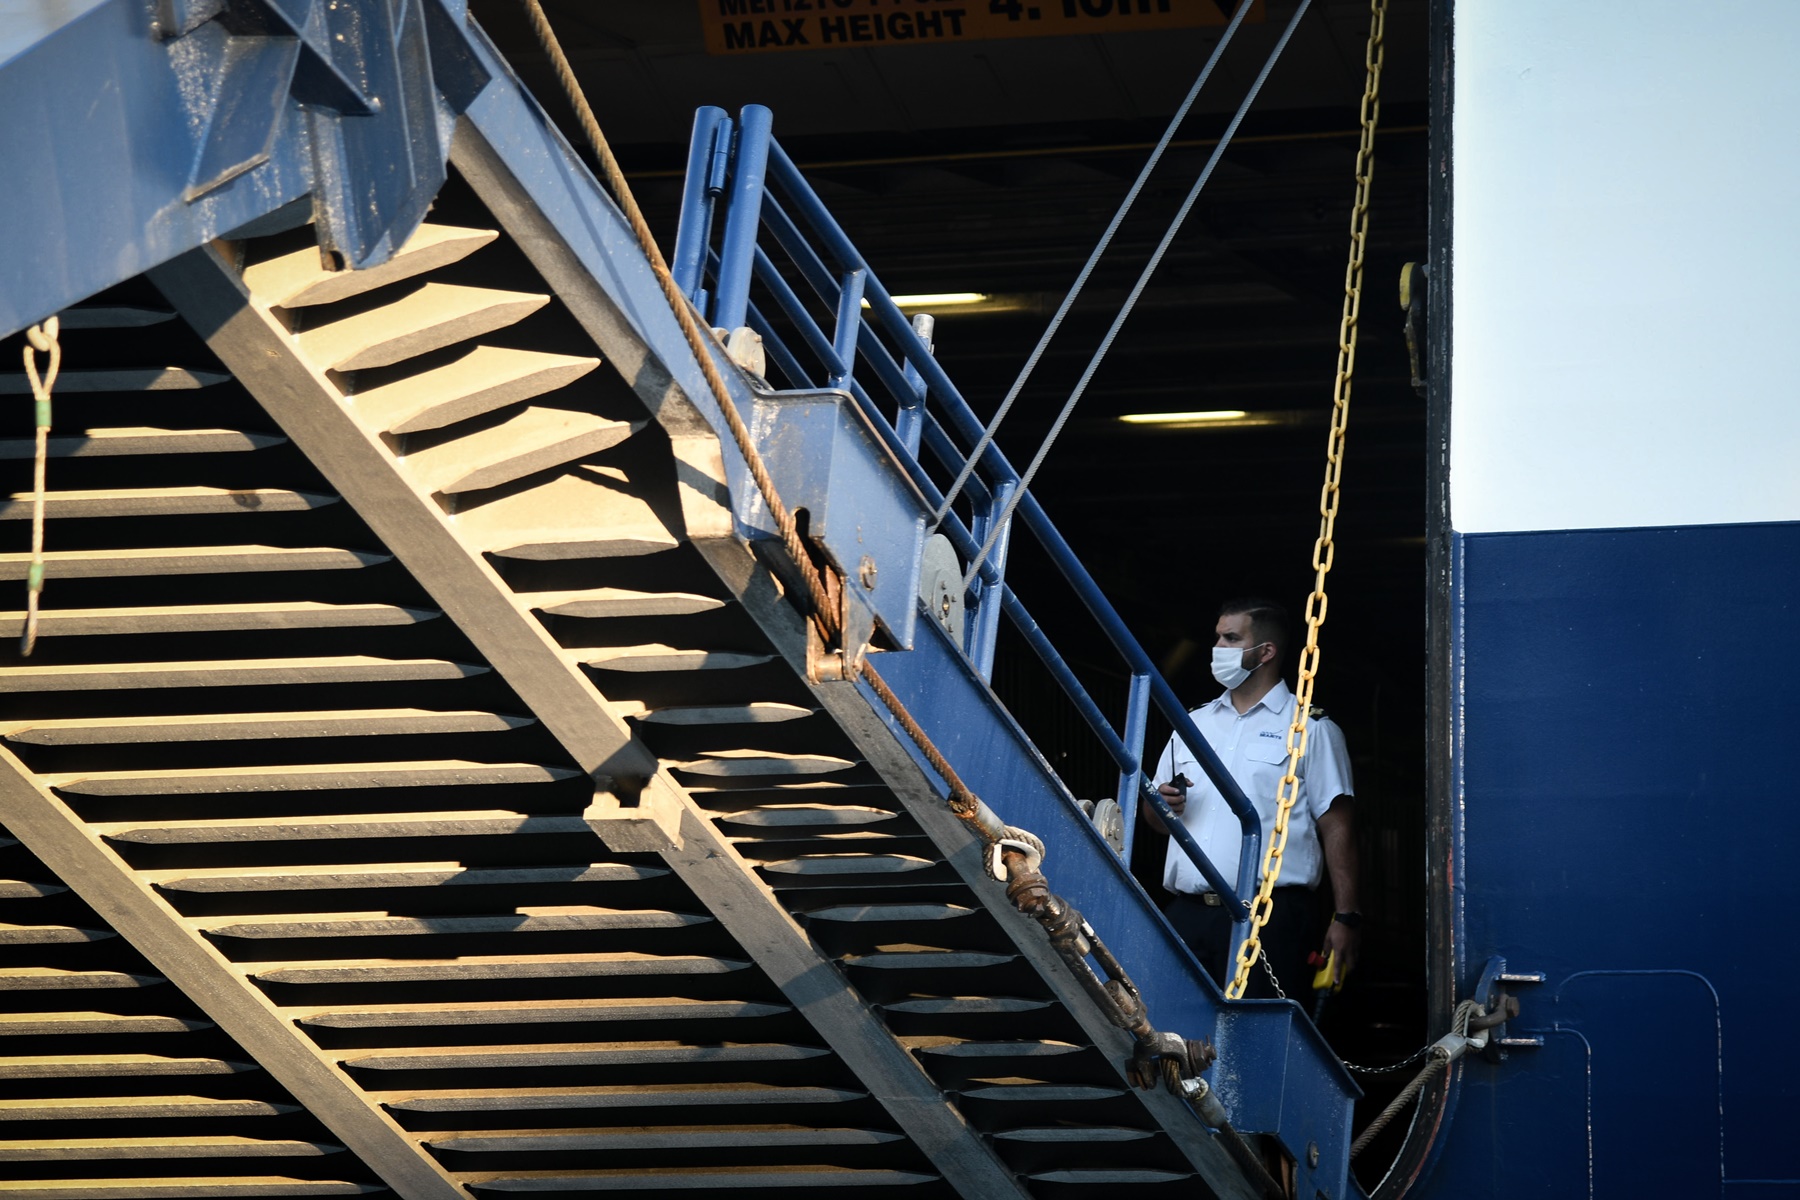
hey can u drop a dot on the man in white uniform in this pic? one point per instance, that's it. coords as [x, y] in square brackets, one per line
[1247, 727]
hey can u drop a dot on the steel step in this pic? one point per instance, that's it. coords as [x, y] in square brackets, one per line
[137, 439]
[531, 440]
[57, 979]
[73, 1066]
[149, 1148]
[187, 560]
[432, 317]
[161, 502]
[218, 1187]
[44, 1024]
[241, 880]
[484, 380]
[482, 967]
[212, 618]
[231, 727]
[315, 778]
[297, 279]
[579, 515]
[263, 672]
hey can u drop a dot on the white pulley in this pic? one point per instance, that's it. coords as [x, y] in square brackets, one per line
[1109, 819]
[940, 585]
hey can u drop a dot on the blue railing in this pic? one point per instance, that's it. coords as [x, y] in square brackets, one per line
[768, 206]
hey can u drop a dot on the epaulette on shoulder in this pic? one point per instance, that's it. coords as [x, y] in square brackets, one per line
[1317, 713]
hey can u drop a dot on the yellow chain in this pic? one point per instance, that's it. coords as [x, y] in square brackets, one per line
[1323, 549]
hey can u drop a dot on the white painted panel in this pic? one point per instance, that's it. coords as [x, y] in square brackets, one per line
[1626, 349]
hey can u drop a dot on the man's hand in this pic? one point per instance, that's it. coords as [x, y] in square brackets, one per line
[1341, 945]
[1174, 797]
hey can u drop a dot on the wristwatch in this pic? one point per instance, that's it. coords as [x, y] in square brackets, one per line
[1350, 920]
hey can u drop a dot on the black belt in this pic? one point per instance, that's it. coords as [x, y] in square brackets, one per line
[1214, 900]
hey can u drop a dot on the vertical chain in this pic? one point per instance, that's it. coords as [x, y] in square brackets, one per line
[39, 339]
[1324, 549]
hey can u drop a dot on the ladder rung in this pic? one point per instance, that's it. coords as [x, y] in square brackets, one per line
[531, 440]
[320, 777]
[621, 1096]
[232, 727]
[741, 763]
[606, 1054]
[297, 279]
[209, 1146]
[101, 443]
[524, 1012]
[785, 816]
[213, 618]
[484, 380]
[255, 672]
[580, 918]
[57, 979]
[195, 1187]
[50, 935]
[514, 1141]
[161, 502]
[765, 1180]
[112, 316]
[25, 889]
[187, 560]
[665, 658]
[847, 864]
[44, 1024]
[487, 967]
[358, 826]
[388, 875]
[88, 1066]
[432, 317]
[575, 515]
[140, 379]
[621, 602]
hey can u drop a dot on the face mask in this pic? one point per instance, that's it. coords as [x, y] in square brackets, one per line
[1228, 665]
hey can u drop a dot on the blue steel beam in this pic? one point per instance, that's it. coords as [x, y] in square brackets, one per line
[130, 143]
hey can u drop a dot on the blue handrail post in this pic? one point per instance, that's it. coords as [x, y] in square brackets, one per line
[743, 215]
[849, 326]
[984, 597]
[909, 421]
[705, 182]
[1137, 719]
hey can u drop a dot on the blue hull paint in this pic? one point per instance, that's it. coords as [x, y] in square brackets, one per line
[1628, 819]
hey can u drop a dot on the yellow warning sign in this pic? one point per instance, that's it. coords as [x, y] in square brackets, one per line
[761, 26]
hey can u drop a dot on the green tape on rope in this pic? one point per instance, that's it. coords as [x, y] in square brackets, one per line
[34, 578]
[43, 413]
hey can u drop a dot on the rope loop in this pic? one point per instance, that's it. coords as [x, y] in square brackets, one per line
[39, 339]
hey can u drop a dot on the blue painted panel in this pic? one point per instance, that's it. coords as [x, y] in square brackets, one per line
[1628, 828]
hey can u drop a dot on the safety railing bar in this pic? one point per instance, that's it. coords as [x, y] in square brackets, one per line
[824, 282]
[777, 349]
[749, 182]
[792, 307]
[1182, 837]
[889, 320]
[818, 274]
[697, 201]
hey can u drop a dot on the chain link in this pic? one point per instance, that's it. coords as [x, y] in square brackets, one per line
[1324, 550]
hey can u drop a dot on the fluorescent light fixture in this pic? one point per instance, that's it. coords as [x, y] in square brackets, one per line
[938, 300]
[1214, 417]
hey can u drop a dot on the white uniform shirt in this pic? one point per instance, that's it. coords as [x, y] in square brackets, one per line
[1253, 747]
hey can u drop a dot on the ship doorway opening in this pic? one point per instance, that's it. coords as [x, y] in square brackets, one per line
[987, 169]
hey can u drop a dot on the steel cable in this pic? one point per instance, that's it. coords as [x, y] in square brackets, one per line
[1131, 299]
[1087, 268]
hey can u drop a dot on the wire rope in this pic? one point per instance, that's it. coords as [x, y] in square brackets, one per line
[1137, 290]
[1087, 268]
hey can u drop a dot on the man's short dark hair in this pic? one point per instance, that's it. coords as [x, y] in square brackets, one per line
[1269, 622]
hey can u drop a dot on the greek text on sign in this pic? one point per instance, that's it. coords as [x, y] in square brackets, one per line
[752, 26]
